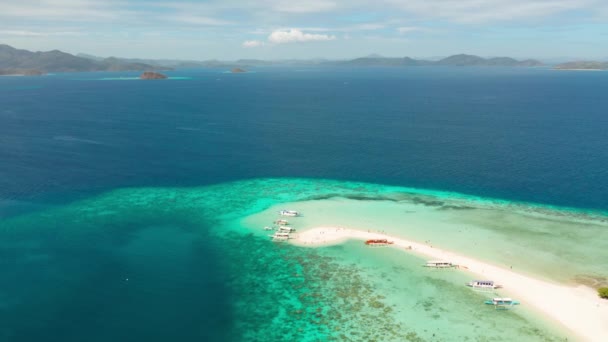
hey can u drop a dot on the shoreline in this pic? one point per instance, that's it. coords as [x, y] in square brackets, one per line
[582, 69]
[578, 309]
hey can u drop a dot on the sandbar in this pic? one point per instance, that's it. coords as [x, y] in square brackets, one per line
[577, 308]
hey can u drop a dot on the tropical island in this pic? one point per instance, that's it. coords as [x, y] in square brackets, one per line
[415, 226]
[28, 63]
[455, 60]
[150, 75]
[12, 59]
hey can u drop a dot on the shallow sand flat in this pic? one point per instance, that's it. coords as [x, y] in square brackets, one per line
[577, 308]
[557, 246]
[537, 254]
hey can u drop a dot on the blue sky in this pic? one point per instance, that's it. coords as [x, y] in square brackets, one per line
[277, 29]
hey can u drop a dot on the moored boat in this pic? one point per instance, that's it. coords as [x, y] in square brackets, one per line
[282, 222]
[439, 264]
[378, 242]
[285, 229]
[483, 284]
[279, 236]
[291, 213]
[500, 302]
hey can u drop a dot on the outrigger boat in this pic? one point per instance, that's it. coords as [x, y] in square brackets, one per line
[268, 228]
[439, 264]
[284, 229]
[291, 213]
[282, 222]
[278, 236]
[378, 242]
[502, 303]
[483, 284]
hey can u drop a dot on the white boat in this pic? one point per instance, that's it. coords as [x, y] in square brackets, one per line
[439, 264]
[483, 284]
[284, 229]
[281, 222]
[502, 303]
[278, 236]
[291, 213]
[268, 228]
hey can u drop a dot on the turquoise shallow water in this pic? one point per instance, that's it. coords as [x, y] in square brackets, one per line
[558, 246]
[184, 263]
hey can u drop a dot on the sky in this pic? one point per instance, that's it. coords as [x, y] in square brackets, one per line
[334, 29]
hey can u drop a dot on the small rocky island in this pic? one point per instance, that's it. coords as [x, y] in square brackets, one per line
[150, 75]
[33, 73]
[21, 72]
[238, 70]
[583, 65]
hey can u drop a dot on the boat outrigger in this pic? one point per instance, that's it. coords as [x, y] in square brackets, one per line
[279, 236]
[439, 264]
[502, 303]
[284, 229]
[378, 242]
[291, 213]
[483, 284]
[282, 222]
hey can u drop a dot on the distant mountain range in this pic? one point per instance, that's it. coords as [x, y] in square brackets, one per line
[455, 60]
[16, 61]
[372, 60]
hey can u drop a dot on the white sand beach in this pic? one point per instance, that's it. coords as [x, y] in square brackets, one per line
[579, 309]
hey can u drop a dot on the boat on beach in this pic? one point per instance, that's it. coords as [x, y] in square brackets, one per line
[483, 285]
[502, 303]
[291, 213]
[439, 264]
[378, 242]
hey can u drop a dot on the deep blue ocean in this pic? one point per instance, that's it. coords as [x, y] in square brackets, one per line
[532, 135]
[523, 134]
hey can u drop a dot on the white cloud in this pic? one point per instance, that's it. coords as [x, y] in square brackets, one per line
[252, 43]
[483, 11]
[296, 36]
[366, 27]
[276, 13]
[408, 29]
[26, 33]
[198, 20]
[68, 10]
[310, 6]
[284, 36]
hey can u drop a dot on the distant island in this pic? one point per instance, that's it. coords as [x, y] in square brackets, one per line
[150, 75]
[370, 61]
[455, 60]
[27, 63]
[24, 62]
[21, 72]
[583, 65]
